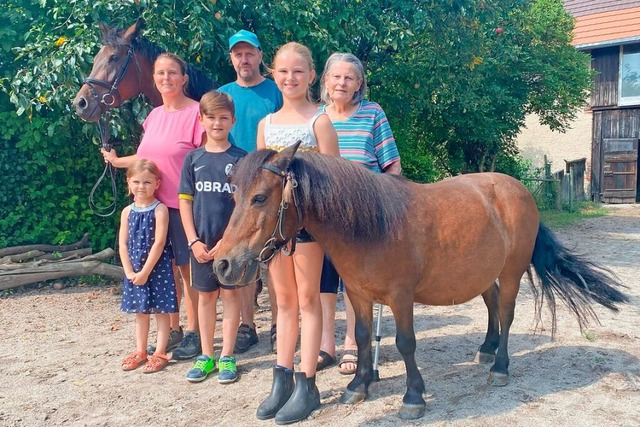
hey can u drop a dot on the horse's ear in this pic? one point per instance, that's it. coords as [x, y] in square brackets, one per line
[103, 27]
[290, 151]
[140, 23]
[132, 32]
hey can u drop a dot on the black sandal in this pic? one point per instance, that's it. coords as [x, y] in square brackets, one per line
[326, 360]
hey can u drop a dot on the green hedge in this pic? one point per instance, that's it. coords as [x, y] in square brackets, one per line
[47, 174]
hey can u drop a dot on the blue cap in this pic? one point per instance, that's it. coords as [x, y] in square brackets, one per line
[244, 36]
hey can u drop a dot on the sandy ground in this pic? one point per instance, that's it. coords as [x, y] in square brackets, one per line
[61, 351]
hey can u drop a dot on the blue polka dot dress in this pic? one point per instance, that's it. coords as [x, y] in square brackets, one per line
[158, 295]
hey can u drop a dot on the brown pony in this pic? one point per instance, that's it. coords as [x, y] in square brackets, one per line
[397, 242]
[122, 69]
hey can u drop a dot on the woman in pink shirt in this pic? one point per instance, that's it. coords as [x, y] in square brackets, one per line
[170, 132]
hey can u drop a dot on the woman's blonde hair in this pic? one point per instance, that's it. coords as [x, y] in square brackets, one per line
[139, 166]
[304, 53]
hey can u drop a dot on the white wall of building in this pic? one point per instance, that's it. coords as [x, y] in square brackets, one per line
[535, 141]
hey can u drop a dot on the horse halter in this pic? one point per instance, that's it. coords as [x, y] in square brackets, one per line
[278, 240]
[109, 98]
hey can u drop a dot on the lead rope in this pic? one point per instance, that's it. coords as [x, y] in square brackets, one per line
[105, 211]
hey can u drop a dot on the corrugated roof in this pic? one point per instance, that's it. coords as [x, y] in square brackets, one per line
[600, 29]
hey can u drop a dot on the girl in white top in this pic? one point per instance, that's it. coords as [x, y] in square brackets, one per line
[296, 279]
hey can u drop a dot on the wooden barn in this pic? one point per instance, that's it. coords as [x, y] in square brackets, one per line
[610, 31]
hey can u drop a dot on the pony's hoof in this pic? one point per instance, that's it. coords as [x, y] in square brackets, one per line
[485, 357]
[350, 397]
[498, 379]
[412, 411]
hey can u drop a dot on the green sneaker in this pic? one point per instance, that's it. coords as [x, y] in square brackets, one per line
[201, 369]
[228, 371]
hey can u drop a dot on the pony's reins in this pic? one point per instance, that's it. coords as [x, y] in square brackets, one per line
[278, 240]
[108, 99]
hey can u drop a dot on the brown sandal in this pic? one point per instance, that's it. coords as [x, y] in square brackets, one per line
[156, 363]
[134, 360]
[348, 357]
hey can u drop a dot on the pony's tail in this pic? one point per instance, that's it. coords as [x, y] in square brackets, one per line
[577, 282]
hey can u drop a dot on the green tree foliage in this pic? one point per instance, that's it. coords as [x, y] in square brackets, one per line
[455, 77]
[473, 71]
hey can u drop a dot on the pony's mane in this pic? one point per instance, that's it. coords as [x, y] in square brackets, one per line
[343, 196]
[199, 82]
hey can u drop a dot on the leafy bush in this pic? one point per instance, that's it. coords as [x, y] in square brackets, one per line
[50, 175]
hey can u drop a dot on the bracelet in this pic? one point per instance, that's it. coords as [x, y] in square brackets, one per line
[192, 242]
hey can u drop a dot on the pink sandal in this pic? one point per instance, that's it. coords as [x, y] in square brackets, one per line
[134, 360]
[156, 363]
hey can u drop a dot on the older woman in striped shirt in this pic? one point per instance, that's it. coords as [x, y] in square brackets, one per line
[365, 137]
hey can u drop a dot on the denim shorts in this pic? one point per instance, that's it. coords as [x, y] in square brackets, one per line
[303, 236]
[203, 278]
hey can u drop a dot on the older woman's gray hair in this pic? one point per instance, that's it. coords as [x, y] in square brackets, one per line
[358, 67]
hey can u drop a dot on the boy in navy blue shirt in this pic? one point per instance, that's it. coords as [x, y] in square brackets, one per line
[206, 204]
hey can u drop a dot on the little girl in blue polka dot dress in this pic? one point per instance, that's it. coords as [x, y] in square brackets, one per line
[149, 285]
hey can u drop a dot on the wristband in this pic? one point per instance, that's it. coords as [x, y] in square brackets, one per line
[192, 242]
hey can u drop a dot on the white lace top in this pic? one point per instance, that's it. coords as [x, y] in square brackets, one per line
[279, 137]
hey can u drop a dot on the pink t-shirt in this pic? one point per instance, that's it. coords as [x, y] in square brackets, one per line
[168, 137]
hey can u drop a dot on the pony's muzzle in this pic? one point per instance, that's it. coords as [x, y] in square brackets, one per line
[223, 270]
[233, 273]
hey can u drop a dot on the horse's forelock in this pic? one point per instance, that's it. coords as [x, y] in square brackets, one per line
[246, 171]
[113, 37]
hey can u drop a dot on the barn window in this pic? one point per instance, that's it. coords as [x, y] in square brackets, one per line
[629, 75]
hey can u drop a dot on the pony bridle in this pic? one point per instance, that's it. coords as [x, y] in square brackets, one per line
[278, 240]
[109, 98]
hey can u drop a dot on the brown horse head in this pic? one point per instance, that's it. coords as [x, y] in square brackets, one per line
[265, 217]
[118, 74]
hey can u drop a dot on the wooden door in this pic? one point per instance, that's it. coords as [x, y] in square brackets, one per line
[620, 170]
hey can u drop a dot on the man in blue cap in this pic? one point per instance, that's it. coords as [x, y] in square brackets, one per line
[254, 97]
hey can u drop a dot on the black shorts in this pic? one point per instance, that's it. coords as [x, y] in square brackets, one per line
[203, 278]
[178, 238]
[330, 279]
[303, 236]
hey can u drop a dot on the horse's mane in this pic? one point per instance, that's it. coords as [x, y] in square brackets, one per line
[344, 196]
[199, 83]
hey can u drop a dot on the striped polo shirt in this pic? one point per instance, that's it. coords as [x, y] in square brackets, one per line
[366, 137]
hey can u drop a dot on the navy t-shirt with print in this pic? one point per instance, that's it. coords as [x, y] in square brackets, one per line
[205, 177]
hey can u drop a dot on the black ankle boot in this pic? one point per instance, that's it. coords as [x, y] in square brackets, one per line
[304, 400]
[281, 390]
